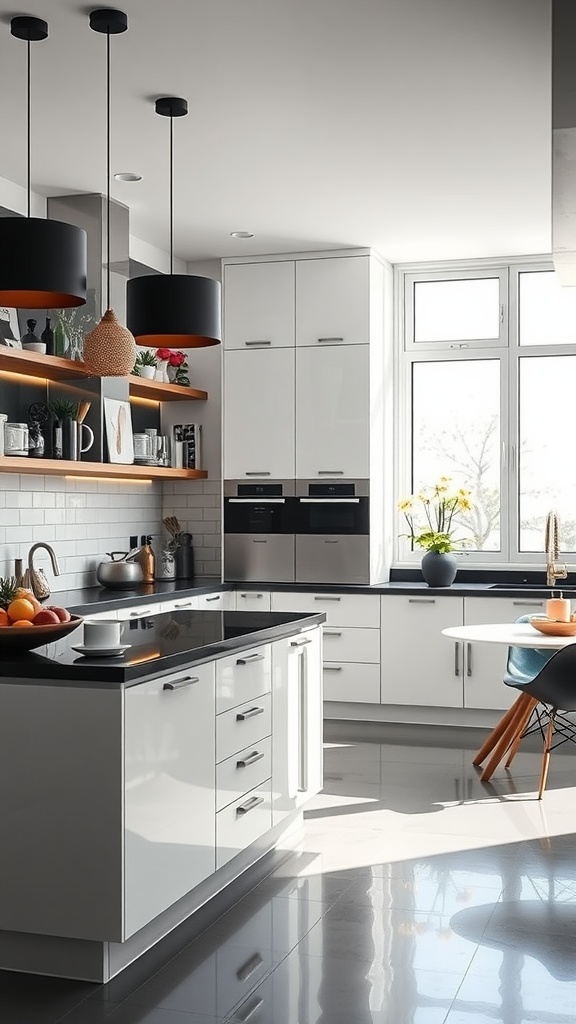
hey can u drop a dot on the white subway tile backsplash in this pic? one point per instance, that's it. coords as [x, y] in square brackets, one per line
[18, 499]
[32, 482]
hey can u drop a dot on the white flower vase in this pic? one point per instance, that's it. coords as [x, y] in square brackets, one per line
[162, 371]
[149, 372]
[172, 371]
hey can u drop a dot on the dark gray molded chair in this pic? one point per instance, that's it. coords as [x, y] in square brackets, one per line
[555, 687]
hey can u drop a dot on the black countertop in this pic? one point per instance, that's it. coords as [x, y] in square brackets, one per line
[96, 599]
[159, 644]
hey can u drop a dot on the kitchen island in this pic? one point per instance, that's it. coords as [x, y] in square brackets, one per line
[135, 789]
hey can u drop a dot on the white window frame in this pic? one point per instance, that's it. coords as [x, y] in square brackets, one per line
[509, 352]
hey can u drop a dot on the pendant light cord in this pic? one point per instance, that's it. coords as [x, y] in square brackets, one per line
[171, 194]
[29, 131]
[108, 169]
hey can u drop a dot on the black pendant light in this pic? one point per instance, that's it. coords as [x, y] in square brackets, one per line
[109, 349]
[173, 310]
[43, 263]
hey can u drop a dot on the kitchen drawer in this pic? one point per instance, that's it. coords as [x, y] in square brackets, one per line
[243, 771]
[243, 676]
[243, 959]
[341, 609]
[138, 611]
[111, 616]
[257, 600]
[180, 604]
[243, 822]
[224, 600]
[243, 726]
[352, 682]
[351, 644]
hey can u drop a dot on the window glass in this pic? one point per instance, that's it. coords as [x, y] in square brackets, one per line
[547, 466]
[456, 433]
[547, 311]
[466, 310]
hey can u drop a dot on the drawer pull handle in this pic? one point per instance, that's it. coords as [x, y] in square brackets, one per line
[421, 600]
[300, 643]
[332, 668]
[250, 659]
[250, 804]
[326, 597]
[330, 339]
[263, 341]
[257, 755]
[528, 604]
[456, 659]
[185, 605]
[251, 595]
[178, 684]
[136, 615]
[332, 632]
[243, 1018]
[469, 659]
[215, 598]
[247, 969]
[251, 713]
[330, 472]
[257, 472]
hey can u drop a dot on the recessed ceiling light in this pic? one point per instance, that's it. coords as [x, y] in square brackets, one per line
[241, 234]
[128, 176]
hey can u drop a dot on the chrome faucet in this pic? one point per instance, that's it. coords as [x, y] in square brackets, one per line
[35, 579]
[555, 570]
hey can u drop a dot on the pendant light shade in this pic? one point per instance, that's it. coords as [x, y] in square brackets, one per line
[174, 310]
[43, 263]
[109, 349]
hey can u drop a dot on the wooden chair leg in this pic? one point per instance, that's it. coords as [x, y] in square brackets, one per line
[546, 754]
[507, 737]
[488, 746]
[518, 739]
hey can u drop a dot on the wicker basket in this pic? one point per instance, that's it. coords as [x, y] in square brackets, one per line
[110, 349]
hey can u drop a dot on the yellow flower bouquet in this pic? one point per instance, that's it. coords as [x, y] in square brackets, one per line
[440, 507]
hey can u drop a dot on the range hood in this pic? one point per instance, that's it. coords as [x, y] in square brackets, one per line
[564, 140]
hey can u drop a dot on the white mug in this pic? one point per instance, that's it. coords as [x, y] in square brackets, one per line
[102, 634]
[16, 439]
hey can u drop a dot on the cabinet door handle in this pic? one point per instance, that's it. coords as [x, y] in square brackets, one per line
[251, 595]
[257, 472]
[178, 684]
[326, 597]
[421, 600]
[528, 604]
[243, 1018]
[468, 659]
[251, 759]
[258, 540]
[263, 341]
[300, 643]
[186, 605]
[145, 611]
[330, 339]
[332, 632]
[457, 658]
[250, 804]
[331, 668]
[247, 969]
[249, 659]
[216, 598]
[242, 716]
[330, 472]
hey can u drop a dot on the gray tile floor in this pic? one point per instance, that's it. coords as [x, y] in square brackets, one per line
[418, 896]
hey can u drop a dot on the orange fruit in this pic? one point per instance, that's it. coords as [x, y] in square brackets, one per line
[21, 608]
[4, 620]
[23, 622]
[29, 596]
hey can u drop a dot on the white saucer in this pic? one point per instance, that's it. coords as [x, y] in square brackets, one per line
[102, 652]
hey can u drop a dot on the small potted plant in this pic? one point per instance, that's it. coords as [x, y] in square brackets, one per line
[145, 365]
[435, 535]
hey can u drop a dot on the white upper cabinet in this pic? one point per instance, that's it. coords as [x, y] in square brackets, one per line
[333, 301]
[333, 412]
[259, 414]
[259, 305]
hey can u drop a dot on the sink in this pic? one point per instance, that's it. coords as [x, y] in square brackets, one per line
[560, 585]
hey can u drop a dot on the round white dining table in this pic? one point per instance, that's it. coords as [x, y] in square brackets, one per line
[505, 738]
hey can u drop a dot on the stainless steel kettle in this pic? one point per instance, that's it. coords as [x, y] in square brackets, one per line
[121, 572]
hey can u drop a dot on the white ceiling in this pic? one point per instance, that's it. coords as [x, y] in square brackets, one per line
[419, 127]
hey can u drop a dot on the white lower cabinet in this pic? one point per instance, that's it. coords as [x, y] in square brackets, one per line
[297, 763]
[169, 830]
[353, 682]
[484, 664]
[419, 665]
[221, 601]
[252, 600]
[243, 822]
[139, 611]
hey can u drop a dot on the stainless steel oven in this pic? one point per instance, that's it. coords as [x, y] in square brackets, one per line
[259, 541]
[333, 532]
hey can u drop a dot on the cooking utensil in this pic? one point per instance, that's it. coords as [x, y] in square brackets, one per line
[83, 410]
[120, 572]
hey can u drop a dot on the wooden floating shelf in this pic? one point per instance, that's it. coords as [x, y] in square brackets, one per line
[55, 368]
[61, 467]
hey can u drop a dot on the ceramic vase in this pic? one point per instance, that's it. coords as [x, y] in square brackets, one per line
[172, 371]
[439, 570]
[161, 371]
[148, 372]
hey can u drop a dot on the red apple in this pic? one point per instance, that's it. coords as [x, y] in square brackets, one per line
[46, 618]
[62, 613]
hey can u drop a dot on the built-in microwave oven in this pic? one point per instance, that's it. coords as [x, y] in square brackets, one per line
[332, 532]
[259, 523]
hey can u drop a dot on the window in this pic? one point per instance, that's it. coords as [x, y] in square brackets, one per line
[487, 379]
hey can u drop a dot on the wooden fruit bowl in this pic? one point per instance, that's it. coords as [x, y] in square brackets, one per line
[550, 627]
[18, 639]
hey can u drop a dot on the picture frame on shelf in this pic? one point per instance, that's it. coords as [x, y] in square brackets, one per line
[119, 437]
[9, 328]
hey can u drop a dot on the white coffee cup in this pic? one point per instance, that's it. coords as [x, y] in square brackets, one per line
[102, 634]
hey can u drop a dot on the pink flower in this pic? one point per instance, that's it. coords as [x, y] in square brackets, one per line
[163, 353]
[176, 358]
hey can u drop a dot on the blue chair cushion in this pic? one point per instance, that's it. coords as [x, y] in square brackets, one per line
[524, 663]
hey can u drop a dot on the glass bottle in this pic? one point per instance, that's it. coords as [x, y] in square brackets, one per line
[47, 337]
